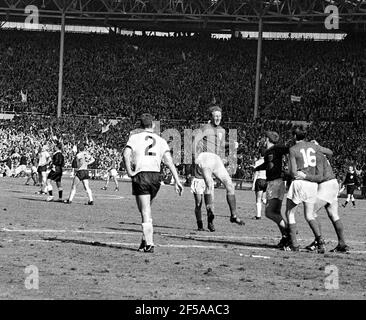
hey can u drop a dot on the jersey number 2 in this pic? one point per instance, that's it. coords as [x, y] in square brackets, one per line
[309, 157]
[147, 150]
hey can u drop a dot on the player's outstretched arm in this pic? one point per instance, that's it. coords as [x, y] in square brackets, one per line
[169, 162]
[127, 152]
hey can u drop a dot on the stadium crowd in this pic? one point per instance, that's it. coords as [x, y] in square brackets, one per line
[120, 77]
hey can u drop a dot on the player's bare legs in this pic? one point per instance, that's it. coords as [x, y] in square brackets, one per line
[273, 212]
[116, 182]
[144, 206]
[88, 191]
[75, 182]
[106, 183]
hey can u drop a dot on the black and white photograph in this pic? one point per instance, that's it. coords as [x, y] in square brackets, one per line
[182, 155]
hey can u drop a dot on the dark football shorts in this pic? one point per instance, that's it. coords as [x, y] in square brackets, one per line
[41, 169]
[82, 174]
[351, 189]
[146, 183]
[55, 175]
[260, 185]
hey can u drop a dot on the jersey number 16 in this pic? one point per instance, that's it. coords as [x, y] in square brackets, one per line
[308, 157]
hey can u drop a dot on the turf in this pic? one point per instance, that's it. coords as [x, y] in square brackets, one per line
[89, 252]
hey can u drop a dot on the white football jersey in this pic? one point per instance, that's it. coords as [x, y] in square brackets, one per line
[148, 150]
[82, 159]
[43, 158]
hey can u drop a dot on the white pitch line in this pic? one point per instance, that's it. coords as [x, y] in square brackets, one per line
[65, 231]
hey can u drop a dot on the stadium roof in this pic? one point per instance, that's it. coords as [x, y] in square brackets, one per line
[192, 15]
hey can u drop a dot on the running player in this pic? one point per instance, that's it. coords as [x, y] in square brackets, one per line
[44, 159]
[327, 197]
[303, 157]
[351, 183]
[259, 185]
[273, 164]
[83, 159]
[112, 173]
[148, 150]
[58, 162]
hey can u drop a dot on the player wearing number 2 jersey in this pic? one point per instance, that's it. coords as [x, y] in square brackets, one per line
[303, 158]
[147, 149]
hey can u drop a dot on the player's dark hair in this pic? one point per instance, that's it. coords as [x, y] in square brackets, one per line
[146, 120]
[299, 133]
[59, 146]
[262, 151]
[81, 147]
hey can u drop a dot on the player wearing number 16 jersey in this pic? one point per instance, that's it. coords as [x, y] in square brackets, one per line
[303, 158]
[147, 150]
[327, 198]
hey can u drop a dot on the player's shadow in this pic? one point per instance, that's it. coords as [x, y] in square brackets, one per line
[226, 242]
[32, 199]
[124, 229]
[89, 243]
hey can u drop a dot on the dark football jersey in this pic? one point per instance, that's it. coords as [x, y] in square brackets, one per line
[273, 163]
[351, 179]
[58, 160]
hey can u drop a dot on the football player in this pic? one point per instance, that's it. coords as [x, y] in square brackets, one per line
[148, 150]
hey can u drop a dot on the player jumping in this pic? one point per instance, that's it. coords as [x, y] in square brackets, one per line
[209, 147]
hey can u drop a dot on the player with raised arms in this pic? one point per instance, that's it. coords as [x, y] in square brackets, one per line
[147, 149]
[303, 158]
